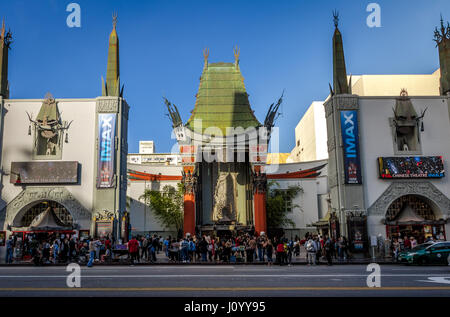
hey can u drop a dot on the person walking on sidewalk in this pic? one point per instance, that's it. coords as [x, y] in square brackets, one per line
[55, 251]
[311, 251]
[280, 252]
[144, 249]
[133, 250]
[91, 252]
[203, 246]
[9, 250]
[153, 246]
[184, 250]
[269, 250]
[318, 249]
[328, 247]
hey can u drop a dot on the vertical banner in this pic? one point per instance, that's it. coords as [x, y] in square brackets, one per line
[350, 139]
[106, 150]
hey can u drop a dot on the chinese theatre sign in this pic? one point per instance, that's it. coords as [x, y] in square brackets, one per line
[55, 172]
[350, 140]
[411, 167]
[106, 150]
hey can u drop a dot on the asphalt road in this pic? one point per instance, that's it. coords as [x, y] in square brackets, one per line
[226, 280]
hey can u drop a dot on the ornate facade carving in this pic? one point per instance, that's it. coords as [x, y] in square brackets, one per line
[260, 182]
[401, 188]
[107, 105]
[31, 195]
[328, 108]
[190, 182]
[104, 215]
[346, 102]
[331, 143]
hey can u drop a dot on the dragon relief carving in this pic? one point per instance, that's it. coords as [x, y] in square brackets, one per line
[49, 127]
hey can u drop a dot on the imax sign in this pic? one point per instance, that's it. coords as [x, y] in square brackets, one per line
[350, 139]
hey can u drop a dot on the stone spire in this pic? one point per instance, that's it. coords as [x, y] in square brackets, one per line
[5, 43]
[442, 38]
[112, 87]
[340, 85]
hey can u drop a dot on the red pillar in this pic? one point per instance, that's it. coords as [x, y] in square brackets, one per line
[260, 212]
[259, 201]
[190, 181]
[189, 213]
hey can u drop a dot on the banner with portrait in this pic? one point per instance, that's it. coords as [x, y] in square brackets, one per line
[106, 150]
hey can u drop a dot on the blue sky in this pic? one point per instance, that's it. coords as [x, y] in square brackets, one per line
[284, 45]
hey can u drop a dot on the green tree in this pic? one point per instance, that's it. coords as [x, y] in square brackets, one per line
[276, 205]
[167, 205]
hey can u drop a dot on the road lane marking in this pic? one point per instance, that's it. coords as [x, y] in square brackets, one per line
[184, 289]
[436, 279]
[224, 276]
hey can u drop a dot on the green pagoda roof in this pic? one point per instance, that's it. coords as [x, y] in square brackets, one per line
[222, 100]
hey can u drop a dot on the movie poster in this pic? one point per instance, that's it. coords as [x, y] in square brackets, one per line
[106, 150]
[350, 140]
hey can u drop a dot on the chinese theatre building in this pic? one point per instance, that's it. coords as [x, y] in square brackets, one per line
[388, 155]
[63, 160]
[223, 148]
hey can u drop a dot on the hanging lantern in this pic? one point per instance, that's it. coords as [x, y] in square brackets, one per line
[421, 127]
[67, 138]
[29, 129]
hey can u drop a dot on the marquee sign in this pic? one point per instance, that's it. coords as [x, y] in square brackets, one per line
[411, 167]
[106, 150]
[350, 140]
[54, 172]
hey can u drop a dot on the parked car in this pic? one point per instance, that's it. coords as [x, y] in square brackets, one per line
[427, 253]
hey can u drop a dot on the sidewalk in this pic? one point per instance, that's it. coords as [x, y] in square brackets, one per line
[161, 259]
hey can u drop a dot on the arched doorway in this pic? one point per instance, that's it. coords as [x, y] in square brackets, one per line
[41, 223]
[414, 216]
[62, 214]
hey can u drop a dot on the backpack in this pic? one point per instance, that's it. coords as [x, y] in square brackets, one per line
[184, 244]
[191, 246]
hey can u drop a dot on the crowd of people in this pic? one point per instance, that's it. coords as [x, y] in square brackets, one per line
[243, 247]
[54, 249]
[238, 248]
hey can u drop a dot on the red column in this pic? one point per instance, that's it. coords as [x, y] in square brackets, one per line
[190, 184]
[259, 199]
[189, 213]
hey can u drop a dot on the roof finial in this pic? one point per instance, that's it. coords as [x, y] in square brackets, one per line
[336, 18]
[206, 54]
[443, 34]
[114, 18]
[236, 52]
